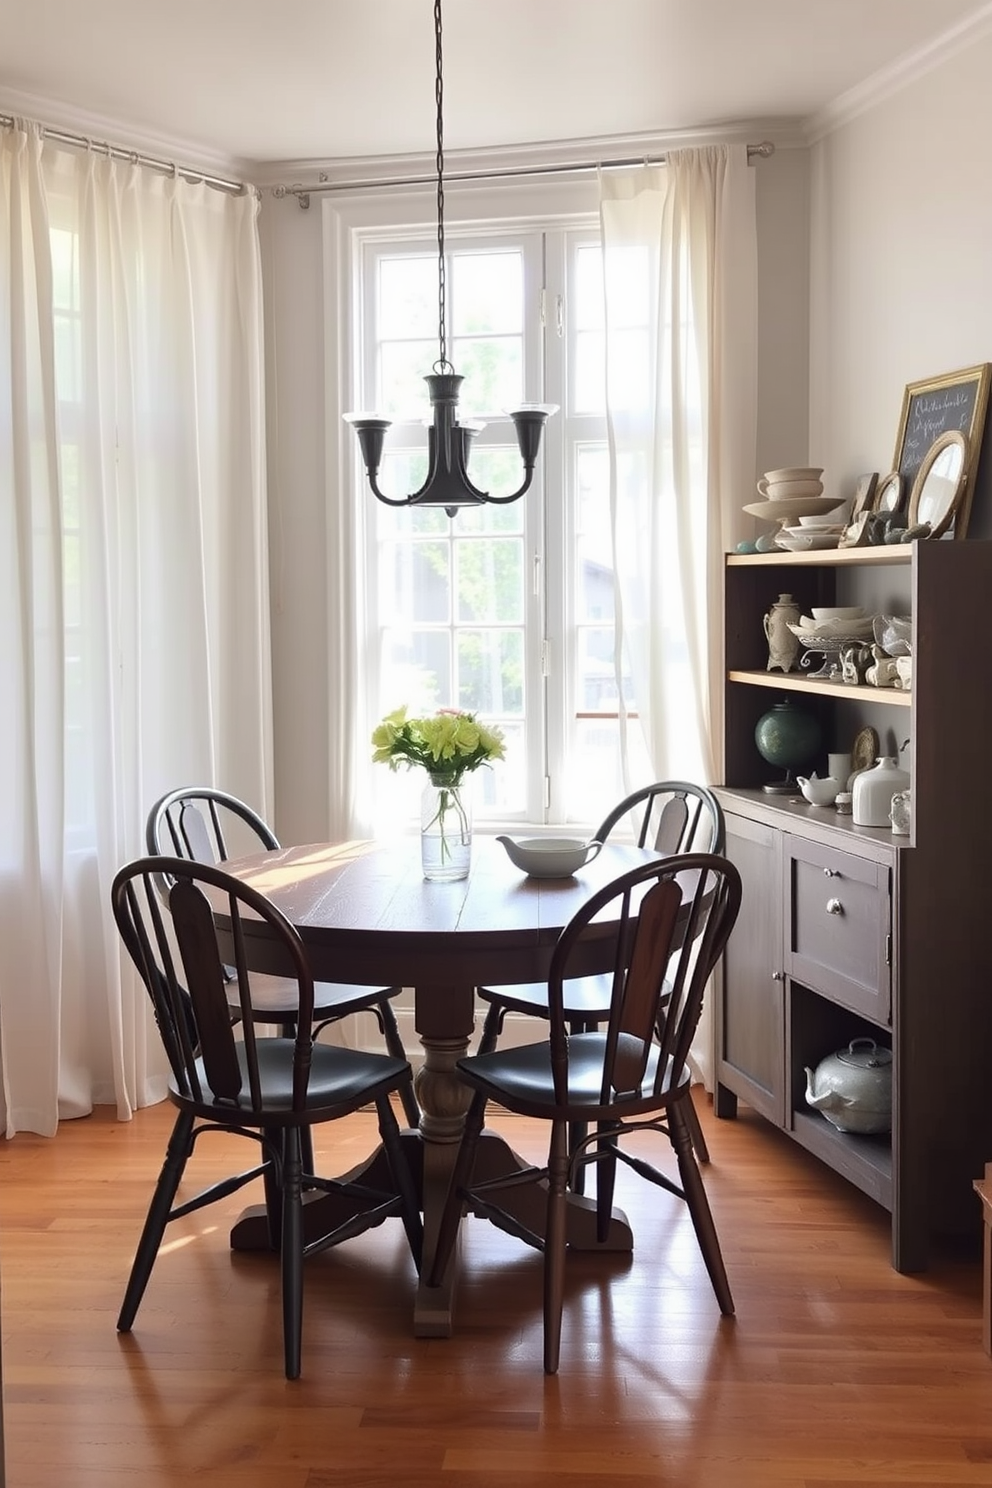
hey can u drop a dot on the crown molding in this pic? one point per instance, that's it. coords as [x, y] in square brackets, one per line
[900, 74]
[570, 153]
[188, 154]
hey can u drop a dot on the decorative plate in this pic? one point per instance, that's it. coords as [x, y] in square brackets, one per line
[864, 750]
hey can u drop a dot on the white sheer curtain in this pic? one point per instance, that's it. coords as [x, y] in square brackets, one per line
[681, 240]
[133, 598]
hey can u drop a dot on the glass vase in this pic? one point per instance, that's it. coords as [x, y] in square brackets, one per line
[445, 830]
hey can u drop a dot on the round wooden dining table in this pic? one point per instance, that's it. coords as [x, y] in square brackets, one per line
[366, 914]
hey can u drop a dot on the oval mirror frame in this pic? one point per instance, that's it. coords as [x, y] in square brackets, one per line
[888, 495]
[940, 483]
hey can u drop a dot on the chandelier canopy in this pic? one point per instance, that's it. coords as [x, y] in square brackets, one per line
[448, 483]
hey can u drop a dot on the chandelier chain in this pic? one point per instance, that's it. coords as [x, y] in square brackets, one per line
[442, 364]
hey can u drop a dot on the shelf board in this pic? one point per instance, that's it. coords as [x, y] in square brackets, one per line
[794, 682]
[864, 1161]
[824, 557]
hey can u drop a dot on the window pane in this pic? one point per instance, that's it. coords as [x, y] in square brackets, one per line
[493, 372]
[416, 669]
[487, 292]
[491, 673]
[416, 582]
[490, 579]
[402, 391]
[408, 297]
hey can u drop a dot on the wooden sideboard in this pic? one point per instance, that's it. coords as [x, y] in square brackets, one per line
[849, 932]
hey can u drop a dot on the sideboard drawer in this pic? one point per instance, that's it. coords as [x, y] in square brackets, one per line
[839, 917]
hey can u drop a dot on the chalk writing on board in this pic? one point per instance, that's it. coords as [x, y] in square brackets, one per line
[930, 409]
[930, 415]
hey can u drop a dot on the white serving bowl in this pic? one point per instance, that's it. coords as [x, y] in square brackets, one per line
[550, 857]
[837, 612]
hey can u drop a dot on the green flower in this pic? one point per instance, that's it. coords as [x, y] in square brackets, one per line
[447, 744]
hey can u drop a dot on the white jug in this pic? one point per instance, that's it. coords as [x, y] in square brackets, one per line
[873, 791]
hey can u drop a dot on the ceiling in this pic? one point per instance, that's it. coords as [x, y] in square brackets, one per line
[239, 81]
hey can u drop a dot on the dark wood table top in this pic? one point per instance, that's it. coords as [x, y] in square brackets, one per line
[367, 915]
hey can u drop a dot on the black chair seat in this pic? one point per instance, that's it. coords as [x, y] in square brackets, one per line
[341, 1081]
[521, 1079]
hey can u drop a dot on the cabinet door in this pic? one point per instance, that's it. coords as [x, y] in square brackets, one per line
[751, 1021]
[838, 935]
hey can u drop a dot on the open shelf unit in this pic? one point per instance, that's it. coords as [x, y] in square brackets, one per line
[907, 960]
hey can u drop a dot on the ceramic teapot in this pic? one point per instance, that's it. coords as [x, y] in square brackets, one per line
[853, 1088]
[819, 792]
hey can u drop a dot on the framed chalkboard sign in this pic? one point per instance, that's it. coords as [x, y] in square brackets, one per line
[936, 406]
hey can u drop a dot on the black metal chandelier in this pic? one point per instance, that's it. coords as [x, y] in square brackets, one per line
[448, 483]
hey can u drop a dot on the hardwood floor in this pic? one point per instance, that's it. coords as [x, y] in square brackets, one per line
[836, 1371]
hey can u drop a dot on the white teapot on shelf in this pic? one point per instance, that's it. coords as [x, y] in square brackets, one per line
[819, 792]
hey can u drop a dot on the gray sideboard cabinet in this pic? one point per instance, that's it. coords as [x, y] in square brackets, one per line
[853, 932]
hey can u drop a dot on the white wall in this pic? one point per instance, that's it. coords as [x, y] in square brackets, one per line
[299, 438]
[901, 233]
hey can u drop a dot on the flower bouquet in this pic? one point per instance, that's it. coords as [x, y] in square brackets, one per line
[448, 744]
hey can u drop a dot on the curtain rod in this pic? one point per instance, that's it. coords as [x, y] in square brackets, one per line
[303, 193]
[121, 152]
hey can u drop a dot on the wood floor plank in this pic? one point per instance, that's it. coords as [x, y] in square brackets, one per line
[836, 1372]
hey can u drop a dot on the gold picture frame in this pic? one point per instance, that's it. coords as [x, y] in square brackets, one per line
[936, 406]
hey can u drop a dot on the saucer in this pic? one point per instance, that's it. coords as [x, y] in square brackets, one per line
[794, 506]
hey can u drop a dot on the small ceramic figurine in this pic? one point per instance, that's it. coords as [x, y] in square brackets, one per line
[900, 813]
[883, 671]
[854, 663]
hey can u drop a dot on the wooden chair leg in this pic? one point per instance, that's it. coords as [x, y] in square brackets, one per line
[699, 1207]
[451, 1215]
[400, 1169]
[555, 1238]
[292, 1251]
[606, 1177]
[699, 1146]
[491, 1029]
[391, 1034]
[176, 1154]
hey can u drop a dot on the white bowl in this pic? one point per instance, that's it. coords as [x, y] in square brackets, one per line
[828, 522]
[550, 857]
[837, 612]
[794, 473]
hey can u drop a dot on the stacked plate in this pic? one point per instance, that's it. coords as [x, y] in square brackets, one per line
[829, 629]
[790, 508]
[806, 539]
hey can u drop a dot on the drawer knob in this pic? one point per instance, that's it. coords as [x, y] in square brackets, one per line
[830, 872]
[834, 906]
[778, 976]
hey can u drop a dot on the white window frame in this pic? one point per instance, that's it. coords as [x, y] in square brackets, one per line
[351, 220]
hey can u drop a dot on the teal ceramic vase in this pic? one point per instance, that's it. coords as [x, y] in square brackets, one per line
[789, 737]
